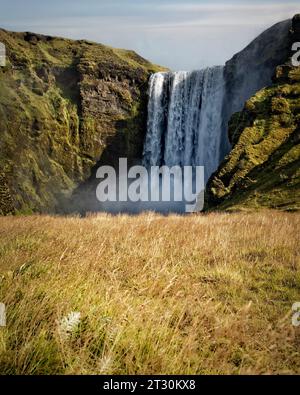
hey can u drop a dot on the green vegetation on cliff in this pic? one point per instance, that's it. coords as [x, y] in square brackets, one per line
[262, 170]
[62, 103]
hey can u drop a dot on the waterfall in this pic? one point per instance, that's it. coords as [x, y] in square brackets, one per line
[185, 119]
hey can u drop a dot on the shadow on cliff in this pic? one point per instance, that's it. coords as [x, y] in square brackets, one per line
[126, 143]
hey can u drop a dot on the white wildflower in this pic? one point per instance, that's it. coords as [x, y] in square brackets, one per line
[2, 315]
[105, 364]
[68, 324]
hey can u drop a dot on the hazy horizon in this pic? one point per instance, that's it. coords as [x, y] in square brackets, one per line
[177, 34]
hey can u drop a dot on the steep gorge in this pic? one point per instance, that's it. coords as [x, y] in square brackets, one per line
[67, 106]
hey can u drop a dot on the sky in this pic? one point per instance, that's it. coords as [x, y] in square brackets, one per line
[181, 35]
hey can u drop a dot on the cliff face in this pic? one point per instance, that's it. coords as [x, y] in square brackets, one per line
[64, 106]
[252, 69]
[262, 169]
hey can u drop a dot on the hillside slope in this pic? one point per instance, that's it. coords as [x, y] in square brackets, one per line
[262, 169]
[63, 105]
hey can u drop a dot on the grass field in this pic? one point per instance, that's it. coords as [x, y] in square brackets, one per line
[178, 294]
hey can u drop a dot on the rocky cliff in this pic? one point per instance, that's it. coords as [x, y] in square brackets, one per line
[262, 169]
[251, 69]
[64, 106]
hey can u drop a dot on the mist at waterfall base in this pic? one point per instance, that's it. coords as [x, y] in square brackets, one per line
[157, 188]
[184, 128]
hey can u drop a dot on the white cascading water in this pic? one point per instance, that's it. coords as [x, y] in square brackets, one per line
[185, 119]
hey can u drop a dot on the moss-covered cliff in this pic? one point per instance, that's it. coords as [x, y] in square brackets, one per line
[63, 105]
[262, 169]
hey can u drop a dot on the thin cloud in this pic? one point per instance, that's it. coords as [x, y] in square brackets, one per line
[220, 7]
[177, 35]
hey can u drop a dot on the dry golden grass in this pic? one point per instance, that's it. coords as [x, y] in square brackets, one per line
[192, 294]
